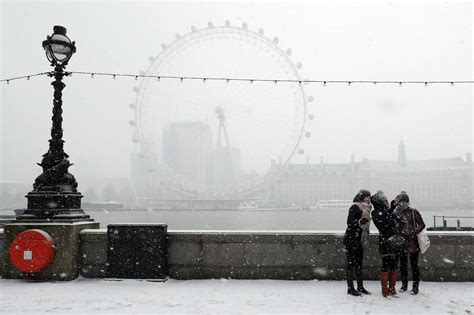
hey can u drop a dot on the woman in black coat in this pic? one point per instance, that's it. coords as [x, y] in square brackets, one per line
[387, 226]
[410, 224]
[358, 220]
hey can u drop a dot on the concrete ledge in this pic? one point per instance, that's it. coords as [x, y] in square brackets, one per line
[300, 255]
[93, 253]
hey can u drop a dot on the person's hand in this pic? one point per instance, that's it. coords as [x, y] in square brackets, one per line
[363, 221]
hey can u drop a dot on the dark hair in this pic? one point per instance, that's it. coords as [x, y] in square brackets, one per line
[361, 195]
[404, 196]
[378, 199]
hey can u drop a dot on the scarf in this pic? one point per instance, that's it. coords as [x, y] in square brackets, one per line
[366, 209]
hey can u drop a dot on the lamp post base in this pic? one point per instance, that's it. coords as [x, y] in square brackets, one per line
[50, 206]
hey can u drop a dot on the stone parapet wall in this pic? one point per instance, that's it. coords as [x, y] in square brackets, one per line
[282, 255]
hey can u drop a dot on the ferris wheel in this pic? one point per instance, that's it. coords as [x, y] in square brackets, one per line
[249, 130]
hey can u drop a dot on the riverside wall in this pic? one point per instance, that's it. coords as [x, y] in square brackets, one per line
[279, 255]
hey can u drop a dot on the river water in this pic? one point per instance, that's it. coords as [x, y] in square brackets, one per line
[320, 220]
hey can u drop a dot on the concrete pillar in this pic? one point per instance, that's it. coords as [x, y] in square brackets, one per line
[65, 265]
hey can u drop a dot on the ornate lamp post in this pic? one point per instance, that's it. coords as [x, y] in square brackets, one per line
[55, 196]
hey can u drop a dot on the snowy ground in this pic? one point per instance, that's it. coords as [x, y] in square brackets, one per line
[226, 296]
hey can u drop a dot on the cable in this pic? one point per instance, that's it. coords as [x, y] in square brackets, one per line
[250, 80]
[24, 77]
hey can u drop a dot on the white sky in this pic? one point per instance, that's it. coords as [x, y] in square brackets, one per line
[343, 41]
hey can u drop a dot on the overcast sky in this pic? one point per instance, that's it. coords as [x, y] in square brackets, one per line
[340, 41]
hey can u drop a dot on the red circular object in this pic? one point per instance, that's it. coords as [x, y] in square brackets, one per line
[32, 251]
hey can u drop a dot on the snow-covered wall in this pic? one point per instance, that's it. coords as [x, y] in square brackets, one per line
[282, 255]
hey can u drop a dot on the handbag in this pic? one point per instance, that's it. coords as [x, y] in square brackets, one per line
[423, 239]
[396, 242]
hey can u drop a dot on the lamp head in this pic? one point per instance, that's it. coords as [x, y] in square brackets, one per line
[58, 47]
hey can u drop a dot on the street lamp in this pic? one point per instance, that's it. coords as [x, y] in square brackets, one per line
[55, 196]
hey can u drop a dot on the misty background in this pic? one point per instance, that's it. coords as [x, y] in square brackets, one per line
[341, 41]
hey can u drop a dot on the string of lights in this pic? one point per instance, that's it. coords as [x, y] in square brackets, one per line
[27, 77]
[250, 80]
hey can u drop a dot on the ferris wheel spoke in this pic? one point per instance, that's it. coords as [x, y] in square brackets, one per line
[244, 103]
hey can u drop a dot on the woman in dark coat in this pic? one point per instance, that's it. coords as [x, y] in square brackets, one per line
[410, 223]
[357, 232]
[386, 224]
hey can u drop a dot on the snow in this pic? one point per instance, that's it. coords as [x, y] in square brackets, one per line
[226, 296]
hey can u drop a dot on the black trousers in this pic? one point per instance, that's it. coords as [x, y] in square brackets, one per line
[354, 266]
[389, 263]
[414, 266]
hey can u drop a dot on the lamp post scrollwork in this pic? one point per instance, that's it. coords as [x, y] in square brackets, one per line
[55, 196]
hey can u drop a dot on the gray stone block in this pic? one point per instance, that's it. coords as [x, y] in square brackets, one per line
[305, 255]
[438, 256]
[93, 252]
[184, 237]
[464, 256]
[184, 253]
[257, 254]
[223, 254]
[451, 238]
[226, 237]
[270, 238]
[329, 239]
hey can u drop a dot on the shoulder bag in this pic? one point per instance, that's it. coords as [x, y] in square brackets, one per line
[423, 239]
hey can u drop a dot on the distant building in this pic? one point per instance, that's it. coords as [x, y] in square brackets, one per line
[187, 150]
[12, 194]
[305, 184]
[226, 166]
[436, 183]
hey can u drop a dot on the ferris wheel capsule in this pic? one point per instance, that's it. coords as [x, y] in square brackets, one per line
[193, 29]
[227, 23]
[310, 116]
[300, 151]
[307, 134]
[310, 99]
[275, 40]
[244, 26]
[132, 123]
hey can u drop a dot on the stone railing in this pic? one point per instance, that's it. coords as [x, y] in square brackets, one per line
[281, 255]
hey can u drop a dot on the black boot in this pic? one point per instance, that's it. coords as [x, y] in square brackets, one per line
[353, 291]
[360, 285]
[362, 290]
[404, 287]
[414, 290]
[350, 282]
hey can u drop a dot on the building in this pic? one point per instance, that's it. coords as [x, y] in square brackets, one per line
[226, 166]
[436, 183]
[12, 194]
[187, 150]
